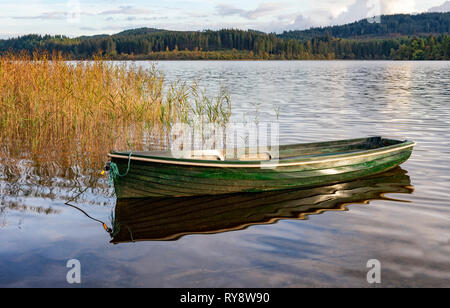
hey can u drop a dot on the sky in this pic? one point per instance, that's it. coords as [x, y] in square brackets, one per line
[88, 17]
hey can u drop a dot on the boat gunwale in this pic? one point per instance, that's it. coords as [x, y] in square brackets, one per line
[291, 161]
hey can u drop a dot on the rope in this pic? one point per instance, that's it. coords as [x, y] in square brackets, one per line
[115, 226]
[114, 173]
[105, 226]
[79, 194]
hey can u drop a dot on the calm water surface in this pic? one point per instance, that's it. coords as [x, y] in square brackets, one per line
[407, 228]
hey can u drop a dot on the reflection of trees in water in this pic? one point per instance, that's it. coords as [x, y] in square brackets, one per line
[53, 174]
[7, 203]
[16, 206]
[2, 215]
[20, 196]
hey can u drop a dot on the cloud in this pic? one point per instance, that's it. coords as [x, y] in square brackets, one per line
[360, 9]
[59, 15]
[88, 29]
[263, 9]
[47, 15]
[127, 10]
[197, 14]
[443, 8]
[55, 15]
[301, 22]
[397, 6]
[228, 10]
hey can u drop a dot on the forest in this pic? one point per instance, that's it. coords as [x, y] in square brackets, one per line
[397, 37]
[389, 26]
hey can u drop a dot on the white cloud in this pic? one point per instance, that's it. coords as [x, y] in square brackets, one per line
[357, 10]
[301, 22]
[398, 6]
[46, 15]
[228, 10]
[445, 7]
[360, 9]
[127, 10]
[262, 10]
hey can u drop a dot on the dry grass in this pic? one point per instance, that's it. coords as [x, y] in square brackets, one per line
[63, 117]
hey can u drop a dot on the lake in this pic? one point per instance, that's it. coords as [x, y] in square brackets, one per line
[322, 237]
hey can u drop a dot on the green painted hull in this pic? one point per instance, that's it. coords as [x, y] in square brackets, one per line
[299, 166]
[165, 219]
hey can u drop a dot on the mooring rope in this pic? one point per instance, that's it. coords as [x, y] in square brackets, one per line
[114, 172]
[105, 226]
[68, 203]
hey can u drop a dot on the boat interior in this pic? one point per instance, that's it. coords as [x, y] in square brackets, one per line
[268, 153]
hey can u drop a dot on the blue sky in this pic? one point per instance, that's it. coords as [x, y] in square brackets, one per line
[81, 17]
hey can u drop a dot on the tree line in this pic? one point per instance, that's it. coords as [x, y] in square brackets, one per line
[389, 26]
[230, 44]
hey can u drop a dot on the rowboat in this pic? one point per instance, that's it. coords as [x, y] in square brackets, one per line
[168, 219]
[161, 174]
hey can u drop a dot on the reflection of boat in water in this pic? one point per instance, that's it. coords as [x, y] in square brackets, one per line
[163, 219]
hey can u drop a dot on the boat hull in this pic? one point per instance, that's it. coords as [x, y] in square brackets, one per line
[160, 179]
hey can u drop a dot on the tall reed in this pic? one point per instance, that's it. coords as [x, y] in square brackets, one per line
[63, 117]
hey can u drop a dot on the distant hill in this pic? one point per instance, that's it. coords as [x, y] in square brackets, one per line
[140, 31]
[390, 26]
[97, 36]
[407, 37]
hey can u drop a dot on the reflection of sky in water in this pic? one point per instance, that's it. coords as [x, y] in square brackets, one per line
[318, 101]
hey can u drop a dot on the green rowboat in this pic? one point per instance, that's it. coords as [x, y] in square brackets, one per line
[160, 174]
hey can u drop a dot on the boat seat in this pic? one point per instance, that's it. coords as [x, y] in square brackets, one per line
[256, 157]
[206, 155]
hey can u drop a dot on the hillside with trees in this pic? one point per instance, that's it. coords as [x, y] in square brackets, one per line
[390, 26]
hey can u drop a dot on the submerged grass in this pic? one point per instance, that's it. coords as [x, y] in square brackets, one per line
[63, 117]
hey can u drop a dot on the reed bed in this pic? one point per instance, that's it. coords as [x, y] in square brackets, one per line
[61, 118]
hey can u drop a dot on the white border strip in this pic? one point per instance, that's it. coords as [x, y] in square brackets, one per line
[264, 164]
